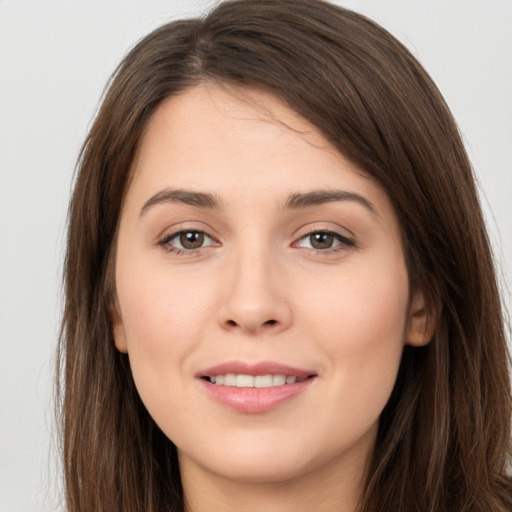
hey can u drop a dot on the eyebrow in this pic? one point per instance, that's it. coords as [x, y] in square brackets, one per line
[189, 197]
[318, 197]
[296, 201]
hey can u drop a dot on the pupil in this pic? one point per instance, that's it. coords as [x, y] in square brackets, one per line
[192, 239]
[321, 240]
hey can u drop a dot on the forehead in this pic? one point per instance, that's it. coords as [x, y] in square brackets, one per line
[209, 120]
[239, 142]
[220, 108]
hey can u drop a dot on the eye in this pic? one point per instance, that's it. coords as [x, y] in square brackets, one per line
[324, 240]
[186, 240]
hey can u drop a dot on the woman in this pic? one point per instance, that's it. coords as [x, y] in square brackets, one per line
[279, 288]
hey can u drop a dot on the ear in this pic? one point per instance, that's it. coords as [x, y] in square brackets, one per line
[118, 329]
[422, 322]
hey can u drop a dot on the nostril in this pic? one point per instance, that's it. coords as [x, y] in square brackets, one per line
[247, 324]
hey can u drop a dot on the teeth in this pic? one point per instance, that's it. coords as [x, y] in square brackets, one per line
[229, 379]
[263, 381]
[278, 380]
[250, 381]
[244, 381]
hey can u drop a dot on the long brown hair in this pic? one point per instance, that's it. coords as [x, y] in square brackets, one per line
[444, 437]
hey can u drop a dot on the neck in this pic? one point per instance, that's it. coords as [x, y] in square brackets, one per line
[326, 490]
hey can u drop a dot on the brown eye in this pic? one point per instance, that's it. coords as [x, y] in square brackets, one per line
[324, 241]
[183, 241]
[191, 239]
[321, 240]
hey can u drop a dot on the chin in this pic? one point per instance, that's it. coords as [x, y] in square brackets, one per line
[257, 469]
[253, 458]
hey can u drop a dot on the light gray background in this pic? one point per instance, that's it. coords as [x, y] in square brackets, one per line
[55, 57]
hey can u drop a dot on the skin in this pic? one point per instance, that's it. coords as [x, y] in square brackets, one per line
[257, 290]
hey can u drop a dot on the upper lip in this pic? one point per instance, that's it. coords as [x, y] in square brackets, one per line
[257, 368]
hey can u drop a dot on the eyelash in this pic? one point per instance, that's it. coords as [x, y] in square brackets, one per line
[343, 242]
[165, 242]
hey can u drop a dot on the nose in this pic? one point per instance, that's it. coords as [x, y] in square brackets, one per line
[255, 298]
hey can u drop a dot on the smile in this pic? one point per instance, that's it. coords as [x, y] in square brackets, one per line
[255, 388]
[253, 381]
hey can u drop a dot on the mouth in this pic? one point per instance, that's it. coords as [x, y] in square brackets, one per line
[254, 388]
[254, 381]
[263, 374]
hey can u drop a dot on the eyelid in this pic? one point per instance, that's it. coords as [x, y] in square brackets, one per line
[175, 228]
[324, 226]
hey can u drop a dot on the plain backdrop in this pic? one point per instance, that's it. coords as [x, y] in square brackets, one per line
[55, 57]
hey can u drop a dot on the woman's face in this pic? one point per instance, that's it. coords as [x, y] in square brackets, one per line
[251, 253]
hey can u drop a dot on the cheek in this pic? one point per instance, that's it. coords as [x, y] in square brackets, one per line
[371, 305]
[163, 320]
[360, 322]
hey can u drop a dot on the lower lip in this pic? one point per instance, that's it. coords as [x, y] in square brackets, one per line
[255, 400]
